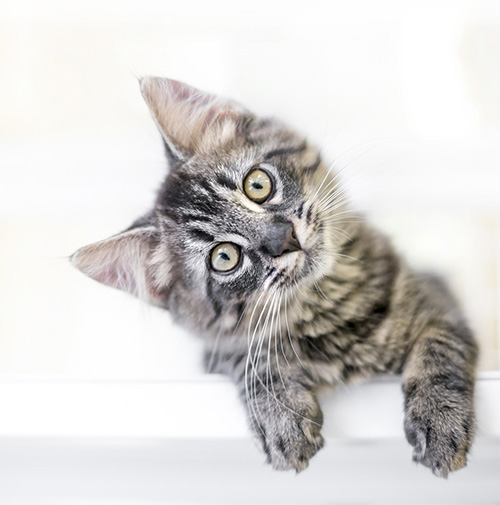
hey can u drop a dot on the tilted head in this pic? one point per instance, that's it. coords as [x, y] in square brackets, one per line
[244, 211]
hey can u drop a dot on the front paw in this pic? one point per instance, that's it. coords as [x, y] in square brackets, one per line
[440, 429]
[290, 437]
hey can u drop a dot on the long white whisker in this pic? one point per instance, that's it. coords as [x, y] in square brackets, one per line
[258, 352]
[278, 327]
[289, 333]
[248, 392]
[264, 333]
[271, 333]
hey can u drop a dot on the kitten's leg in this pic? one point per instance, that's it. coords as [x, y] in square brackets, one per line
[438, 384]
[285, 416]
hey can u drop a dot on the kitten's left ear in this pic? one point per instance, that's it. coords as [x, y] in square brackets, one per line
[123, 262]
[191, 121]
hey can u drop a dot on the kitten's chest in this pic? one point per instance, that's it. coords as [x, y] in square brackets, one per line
[340, 334]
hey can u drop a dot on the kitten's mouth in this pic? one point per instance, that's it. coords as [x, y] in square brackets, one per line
[293, 265]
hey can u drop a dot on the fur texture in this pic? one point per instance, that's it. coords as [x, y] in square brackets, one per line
[343, 307]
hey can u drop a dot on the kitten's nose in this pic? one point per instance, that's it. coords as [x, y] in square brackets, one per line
[279, 238]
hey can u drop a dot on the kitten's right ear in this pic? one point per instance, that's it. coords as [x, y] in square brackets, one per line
[191, 121]
[126, 261]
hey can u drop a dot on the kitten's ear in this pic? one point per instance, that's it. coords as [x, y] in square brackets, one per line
[122, 262]
[191, 120]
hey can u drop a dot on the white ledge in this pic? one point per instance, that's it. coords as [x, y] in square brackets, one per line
[208, 408]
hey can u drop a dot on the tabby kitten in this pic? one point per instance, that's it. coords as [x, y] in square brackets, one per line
[251, 244]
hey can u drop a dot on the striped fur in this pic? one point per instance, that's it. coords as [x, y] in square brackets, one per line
[344, 307]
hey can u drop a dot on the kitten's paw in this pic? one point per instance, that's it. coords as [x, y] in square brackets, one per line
[291, 438]
[440, 431]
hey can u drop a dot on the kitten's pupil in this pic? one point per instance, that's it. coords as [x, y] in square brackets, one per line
[257, 185]
[224, 256]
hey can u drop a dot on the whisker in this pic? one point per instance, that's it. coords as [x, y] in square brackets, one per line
[248, 389]
[271, 332]
[276, 347]
[258, 353]
[289, 333]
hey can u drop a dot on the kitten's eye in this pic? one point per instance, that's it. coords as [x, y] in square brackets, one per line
[258, 185]
[225, 257]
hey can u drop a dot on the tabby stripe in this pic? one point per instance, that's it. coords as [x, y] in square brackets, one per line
[201, 235]
[448, 346]
[184, 218]
[205, 185]
[309, 214]
[460, 334]
[285, 150]
[226, 182]
[276, 278]
[215, 304]
[451, 381]
[369, 322]
[299, 210]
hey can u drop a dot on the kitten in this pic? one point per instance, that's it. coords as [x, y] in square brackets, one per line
[251, 244]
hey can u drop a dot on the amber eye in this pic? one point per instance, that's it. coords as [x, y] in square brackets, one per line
[258, 185]
[225, 257]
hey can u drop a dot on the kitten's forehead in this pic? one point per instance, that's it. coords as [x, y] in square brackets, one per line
[212, 191]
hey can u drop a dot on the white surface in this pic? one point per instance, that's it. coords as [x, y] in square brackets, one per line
[188, 443]
[204, 409]
[222, 472]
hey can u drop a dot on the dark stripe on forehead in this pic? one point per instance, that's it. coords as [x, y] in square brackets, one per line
[185, 197]
[286, 150]
[201, 235]
[189, 218]
[202, 203]
[225, 181]
[204, 184]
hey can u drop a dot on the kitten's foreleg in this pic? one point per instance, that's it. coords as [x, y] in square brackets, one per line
[285, 417]
[438, 384]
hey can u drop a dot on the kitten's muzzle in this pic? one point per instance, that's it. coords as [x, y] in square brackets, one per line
[279, 238]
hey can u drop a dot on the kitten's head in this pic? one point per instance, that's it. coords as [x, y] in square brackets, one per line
[243, 212]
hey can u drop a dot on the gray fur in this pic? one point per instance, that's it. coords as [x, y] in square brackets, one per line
[344, 307]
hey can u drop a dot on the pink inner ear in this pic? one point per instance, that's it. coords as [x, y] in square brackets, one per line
[116, 275]
[214, 110]
[185, 114]
[119, 262]
[183, 92]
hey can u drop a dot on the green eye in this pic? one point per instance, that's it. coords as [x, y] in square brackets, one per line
[258, 185]
[225, 257]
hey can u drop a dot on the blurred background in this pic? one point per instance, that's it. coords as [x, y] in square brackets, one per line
[402, 96]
